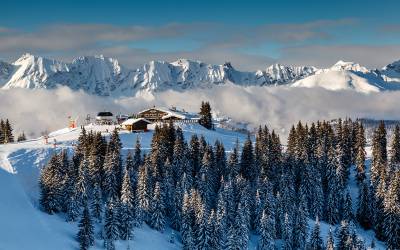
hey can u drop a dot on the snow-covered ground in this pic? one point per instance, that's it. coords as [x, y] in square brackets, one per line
[24, 226]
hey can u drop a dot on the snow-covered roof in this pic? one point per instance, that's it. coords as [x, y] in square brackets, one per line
[133, 121]
[173, 113]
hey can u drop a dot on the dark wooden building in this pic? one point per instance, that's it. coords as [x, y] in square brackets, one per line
[136, 125]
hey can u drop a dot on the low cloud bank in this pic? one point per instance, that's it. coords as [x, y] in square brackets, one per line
[34, 111]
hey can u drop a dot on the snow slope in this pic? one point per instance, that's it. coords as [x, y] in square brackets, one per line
[26, 227]
[350, 76]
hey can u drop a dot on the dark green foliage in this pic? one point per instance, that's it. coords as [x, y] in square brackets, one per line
[85, 235]
[205, 115]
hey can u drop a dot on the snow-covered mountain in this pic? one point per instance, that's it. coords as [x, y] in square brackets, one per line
[107, 77]
[352, 76]
[104, 76]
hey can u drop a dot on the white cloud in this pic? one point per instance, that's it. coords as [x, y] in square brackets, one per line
[278, 107]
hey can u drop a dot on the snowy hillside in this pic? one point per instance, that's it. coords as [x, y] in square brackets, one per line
[20, 164]
[19, 172]
[350, 76]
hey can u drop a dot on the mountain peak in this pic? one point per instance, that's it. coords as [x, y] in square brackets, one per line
[352, 66]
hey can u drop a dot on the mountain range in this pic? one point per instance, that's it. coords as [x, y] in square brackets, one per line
[99, 75]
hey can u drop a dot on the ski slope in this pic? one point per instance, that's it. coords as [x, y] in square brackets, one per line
[24, 226]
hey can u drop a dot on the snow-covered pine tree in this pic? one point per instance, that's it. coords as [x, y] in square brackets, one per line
[347, 208]
[205, 115]
[247, 169]
[96, 205]
[330, 242]
[186, 226]
[8, 132]
[137, 155]
[233, 162]
[73, 206]
[221, 218]
[194, 152]
[179, 157]
[395, 150]
[364, 208]
[267, 232]
[300, 230]
[110, 189]
[127, 208]
[379, 154]
[51, 185]
[220, 160]
[392, 213]
[85, 235]
[157, 209]
[360, 154]
[334, 191]
[316, 242]
[343, 237]
[287, 233]
[83, 190]
[111, 227]
[142, 206]
[2, 131]
[203, 230]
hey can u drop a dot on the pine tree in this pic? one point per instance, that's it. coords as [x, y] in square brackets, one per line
[330, 244]
[316, 242]
[85, 235]
[157, 211]
[8, 134]
[344, 240]
[111, 230]
[96, 205]
[347, 211]
[127, 208]
[360, 157]
[266, 240]
[233, 162]
[287, 235]
[205, 115]
[395, 149]
[300, 230]
[186, 227]
[364, 209]
[2, 125]
[203, 232]
[392, 213]
[110, 181]
[21, 137]
[51, 184]
[73, 207]
[247, 169]
[379, 154]
[142, 207]
[82, 186]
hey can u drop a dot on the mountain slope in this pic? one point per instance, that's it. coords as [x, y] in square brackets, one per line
[106, 77]
[348, 76]
[99, 75]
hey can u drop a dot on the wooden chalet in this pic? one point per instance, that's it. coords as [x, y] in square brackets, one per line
[157, 114]
[136, 125]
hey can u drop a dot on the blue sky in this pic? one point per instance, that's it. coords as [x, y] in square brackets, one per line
[250, 34]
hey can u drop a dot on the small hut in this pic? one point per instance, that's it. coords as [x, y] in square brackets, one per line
[136, 125]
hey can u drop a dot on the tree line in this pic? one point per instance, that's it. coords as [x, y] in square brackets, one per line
[217, 200]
